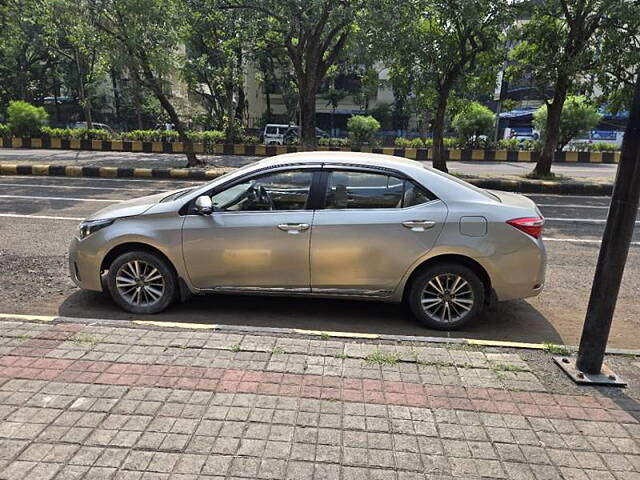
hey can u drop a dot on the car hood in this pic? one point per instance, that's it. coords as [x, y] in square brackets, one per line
[129, 208]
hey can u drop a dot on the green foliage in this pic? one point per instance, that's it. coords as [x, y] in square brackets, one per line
[474, 120]
[5, 131]
[362, 128]
[604, 147]
[75, 133]
[25, 120]
[413, 142]
[334, 142]
[578, 117]
[555, 349]
[382, 358]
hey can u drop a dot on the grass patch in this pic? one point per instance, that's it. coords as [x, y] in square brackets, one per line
[341, 356]
[23, 336]
[382, 358]
[325, 336]
[557, 177]
[554, 349]
[85, 340]
[236, 347]
[506, 367]
[277, 351]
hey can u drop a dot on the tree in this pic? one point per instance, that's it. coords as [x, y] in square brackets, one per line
[313, 33]
[362, 128]
[474, 120]
[440, 46]
[559, 44]
[333, 97]
[578, 117]
[149, 32]
[24, 119]
[216, 41]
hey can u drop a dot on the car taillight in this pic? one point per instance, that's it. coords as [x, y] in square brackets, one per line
[529, 225]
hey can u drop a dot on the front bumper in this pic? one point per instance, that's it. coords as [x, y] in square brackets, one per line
[84, 269]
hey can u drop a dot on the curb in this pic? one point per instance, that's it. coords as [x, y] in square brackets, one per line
[522, 186]
[465, 155]
[155, 325]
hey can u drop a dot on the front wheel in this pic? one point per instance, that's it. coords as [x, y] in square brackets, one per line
[141, 282]
[446, 296]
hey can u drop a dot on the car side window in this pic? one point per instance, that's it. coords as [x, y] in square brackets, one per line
[354, 189]
[285, 190]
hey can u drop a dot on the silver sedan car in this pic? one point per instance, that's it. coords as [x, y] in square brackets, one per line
[324, 224]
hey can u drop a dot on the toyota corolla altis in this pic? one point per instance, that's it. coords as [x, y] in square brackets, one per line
[325, 224]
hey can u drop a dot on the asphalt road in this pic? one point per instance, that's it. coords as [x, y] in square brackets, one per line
[39, 215]
[148, 160]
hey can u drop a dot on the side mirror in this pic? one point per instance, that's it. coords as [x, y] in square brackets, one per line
[203, 205]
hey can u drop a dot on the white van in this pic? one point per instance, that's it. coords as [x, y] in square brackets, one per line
[274, 133]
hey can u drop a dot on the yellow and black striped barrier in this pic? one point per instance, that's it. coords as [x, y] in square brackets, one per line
[271, 150]
[515, 185]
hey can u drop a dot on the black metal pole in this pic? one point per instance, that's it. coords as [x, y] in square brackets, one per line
[615, 246]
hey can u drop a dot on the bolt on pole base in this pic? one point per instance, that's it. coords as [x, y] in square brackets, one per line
[605, 377]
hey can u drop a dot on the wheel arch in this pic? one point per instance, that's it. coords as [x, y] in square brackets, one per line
[468, 262]
[118, 250]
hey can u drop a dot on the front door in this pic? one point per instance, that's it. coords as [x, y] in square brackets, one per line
[257, 238]
[373, 227]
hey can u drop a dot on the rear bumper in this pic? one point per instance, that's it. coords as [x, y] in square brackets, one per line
[520, 274]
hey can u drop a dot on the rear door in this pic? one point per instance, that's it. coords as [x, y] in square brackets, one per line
[373, 227]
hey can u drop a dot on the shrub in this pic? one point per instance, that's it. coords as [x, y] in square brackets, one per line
[75, 133]
[604, 147]
[578, 117]
[450, 142]
[473, 121]
[410, 143]
[151, 135]
[362, 128]
[251, 139]
[5, 131]
[26, 120]
[334, 142]
[509, 144]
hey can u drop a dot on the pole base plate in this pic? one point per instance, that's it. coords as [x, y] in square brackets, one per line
[605, 377]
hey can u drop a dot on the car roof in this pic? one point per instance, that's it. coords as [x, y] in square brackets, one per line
[340, 158]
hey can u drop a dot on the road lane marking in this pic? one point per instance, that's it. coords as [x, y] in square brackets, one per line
[195, 326]
[40, 217]
[322, 333]
[571, 206]
[581, 240]
[78, 187]
[94, 179]
[71, 199]
[580, 220]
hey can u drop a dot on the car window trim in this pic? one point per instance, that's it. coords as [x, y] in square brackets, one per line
[327, 169]
[188, 208]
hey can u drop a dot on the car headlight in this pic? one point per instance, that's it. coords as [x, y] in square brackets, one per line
[88, 227]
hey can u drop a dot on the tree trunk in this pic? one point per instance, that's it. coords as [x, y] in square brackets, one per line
[192, 160]
[424, 124]
[552, 130]
[438, 158]
[116, 95]
[84, 101]
[308, 117]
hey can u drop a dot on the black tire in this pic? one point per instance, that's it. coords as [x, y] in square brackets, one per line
[168, 292]
[436, 315]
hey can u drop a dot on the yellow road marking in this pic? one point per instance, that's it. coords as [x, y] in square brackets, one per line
[336, 334]
[500, 343]
[194, 326]
[41, 318]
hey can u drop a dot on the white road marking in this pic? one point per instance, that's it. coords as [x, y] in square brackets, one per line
[581, 240]
[581, 220]
[71, 199]
[135, 180]
[40, 217]
[30, 185]
[547, 205]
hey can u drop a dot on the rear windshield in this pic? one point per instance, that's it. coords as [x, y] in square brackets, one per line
[272, 130]
[459, 181]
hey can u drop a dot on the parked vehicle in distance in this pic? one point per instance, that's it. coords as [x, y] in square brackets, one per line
[97, 126]
[274, 133]
[280, 134]
[326, 224]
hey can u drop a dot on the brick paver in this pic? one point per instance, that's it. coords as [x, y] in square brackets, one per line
[82, 401]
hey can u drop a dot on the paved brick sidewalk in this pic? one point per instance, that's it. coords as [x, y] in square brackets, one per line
[90, 401]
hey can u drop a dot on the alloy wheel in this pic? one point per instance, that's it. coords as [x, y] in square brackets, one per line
[140, 283]
[447, 298]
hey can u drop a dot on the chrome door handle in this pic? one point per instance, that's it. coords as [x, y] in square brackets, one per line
[293, 228]
[419, 225]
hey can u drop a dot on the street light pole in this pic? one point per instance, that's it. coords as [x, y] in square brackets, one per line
[615, 247]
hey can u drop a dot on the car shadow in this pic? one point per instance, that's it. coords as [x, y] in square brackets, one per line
[509, 321]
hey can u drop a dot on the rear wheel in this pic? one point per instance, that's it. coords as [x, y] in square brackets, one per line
[446, 296]
[141, 282]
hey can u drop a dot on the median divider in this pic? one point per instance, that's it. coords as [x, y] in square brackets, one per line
[570, 187]
[464, 155]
